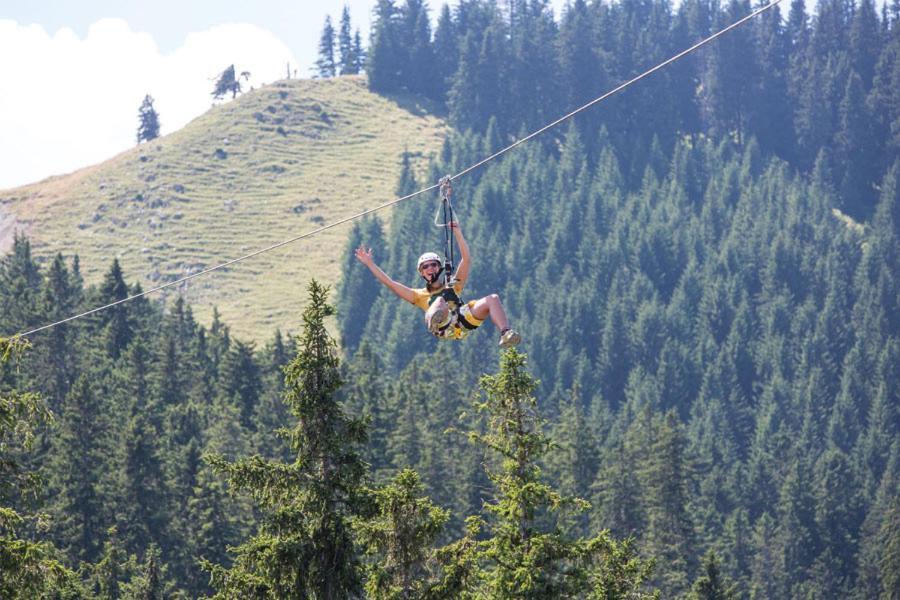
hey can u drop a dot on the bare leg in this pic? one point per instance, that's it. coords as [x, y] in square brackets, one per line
[490, 306]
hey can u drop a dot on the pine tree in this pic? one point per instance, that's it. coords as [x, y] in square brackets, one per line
[325, 65]
[148, 121]
[418, 71]
[582, 72]
[226, 82]
[576, 458]
[864, 40]
[359, 53]
[271, 411]
[798, 540]
[358, 291]
[115, 322]
[839, 516]
[670, 534]
[28, 568]
[77, 475]
[446, 53]
[348, 63]
[239, 381]
[114, 568]
[476, 94]
[144, 505]
[20, 281]
[149, 585]
[303, 547]
[710, 585]
[56, 355]
[765, 566]
[399, 538]
[856, 154]
[522, 557]
[385, 51]
[770, 115]
[213, 522]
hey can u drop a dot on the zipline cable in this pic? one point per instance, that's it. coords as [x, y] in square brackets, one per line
[465, 171]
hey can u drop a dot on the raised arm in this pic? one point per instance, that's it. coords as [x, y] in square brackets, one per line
[364, 255]
[465, 262]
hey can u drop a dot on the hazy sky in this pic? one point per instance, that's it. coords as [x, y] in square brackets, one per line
[75, 72]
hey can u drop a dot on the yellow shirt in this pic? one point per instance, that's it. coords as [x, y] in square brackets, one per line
[422, 297]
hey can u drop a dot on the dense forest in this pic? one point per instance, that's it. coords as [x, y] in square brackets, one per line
[705, 272]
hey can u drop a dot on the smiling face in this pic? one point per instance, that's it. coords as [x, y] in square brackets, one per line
[430, 267]
[430, 271]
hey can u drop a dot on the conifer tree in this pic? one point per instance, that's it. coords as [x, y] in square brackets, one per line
[226, 82]
[148, 121]
[366, 394]
[239, 381]
[358, 291]
[150, 584]
[670, 534]
[359, 53]
[303, 547]
[400, 538]
[582, 74]
[765, 567]
[385, 52]
[345, 45]
[476, 93]
[20, 281]
[710, 585]
[521, 557]
[213, 522]
[446, 53]
[325, 65]
[116, 321]
[856, 154]
[114, 568]
[77, 476]
[418, 71]
[271, 411]
[143, 486]
[58, 300]
[576, 457]
[28, 568]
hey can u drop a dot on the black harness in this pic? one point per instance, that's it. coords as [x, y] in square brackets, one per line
[454, 303]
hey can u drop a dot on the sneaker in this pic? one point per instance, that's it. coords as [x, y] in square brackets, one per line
[510, 338]
[438, 318]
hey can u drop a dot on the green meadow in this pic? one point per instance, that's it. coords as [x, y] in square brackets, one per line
[272, 164]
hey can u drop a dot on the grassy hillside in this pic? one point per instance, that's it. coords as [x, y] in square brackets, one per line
[274, 163]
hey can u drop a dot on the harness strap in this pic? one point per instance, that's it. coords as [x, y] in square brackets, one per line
[447, 206]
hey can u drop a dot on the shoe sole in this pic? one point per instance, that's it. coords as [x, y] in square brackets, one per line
[438, 319]
[513, 340]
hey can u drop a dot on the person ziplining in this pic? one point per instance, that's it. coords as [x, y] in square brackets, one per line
[446, 316]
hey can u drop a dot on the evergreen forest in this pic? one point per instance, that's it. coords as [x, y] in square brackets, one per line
[705, 270]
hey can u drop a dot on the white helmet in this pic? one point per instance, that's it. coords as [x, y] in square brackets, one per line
[427, 257]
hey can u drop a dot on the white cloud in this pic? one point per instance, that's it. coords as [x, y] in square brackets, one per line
[66, 102]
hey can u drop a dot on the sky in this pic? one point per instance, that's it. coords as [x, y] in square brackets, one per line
[74, 73]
